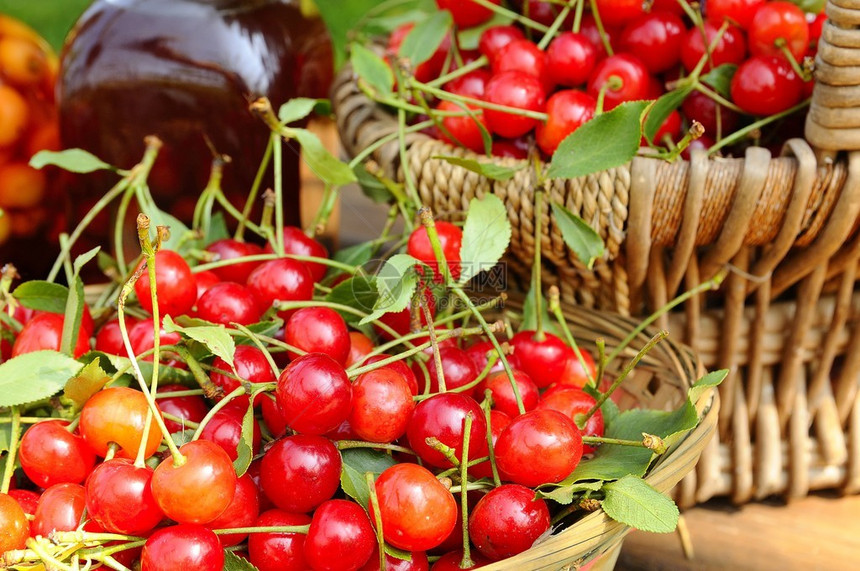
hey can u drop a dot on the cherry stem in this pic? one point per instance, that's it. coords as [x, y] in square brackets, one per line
[184, 422]
[555, 308]
[350, 444]
[255, 189]
[12, 454]
[377, 516]
[303, 529]
[510, 14]
[448, 452]
[466, 562]
[459, 72]
[369, 150]
[621, 442]
[202, 218]
[442, 94]
[177, 394]
[598, 21]
[210, 389]
[581, 421]
[434, 345]
[577, 16]
[485, 405]
[496, 345]
[237, 392]
[705, 90]
[89, 537]
[260, 345]
[741, 133]
[491, 362]
[112, 449]
[411, 189]
[553, 30]
[429, 224]
[48, 559]
[492, 304]
[471, 464]
[536, 268]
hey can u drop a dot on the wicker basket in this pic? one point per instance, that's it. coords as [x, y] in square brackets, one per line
[660, 381]
[784, 322]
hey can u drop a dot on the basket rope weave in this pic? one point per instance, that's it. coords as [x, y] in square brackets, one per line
[785, 321]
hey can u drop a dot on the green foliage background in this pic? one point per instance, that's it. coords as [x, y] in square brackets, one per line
[51, 18]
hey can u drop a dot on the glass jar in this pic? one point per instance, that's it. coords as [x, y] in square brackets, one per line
[186, 70]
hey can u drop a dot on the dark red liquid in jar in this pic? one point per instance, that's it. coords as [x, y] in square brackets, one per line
[186, 70]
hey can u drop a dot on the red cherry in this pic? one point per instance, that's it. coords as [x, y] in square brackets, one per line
[589, 29]
[118, 415]
[13, 522]
[45, 332]
[451, 561]
[278, 551]
[574, 375]
[472, 84]
[669, 129]
[450, 238]
[300, 472]
[204, 280]
[739, 12]
[251, 365]
[626, 69]
[571, 57]
[568, 110]
[50, 454]
[28, 499]
[284, 279]
[119, 497]
[176, 288]
[524, 56]
[186, 547]
[467, 13]
[320, 330]
[618, 12]
[538, 447]
[229, 302]
[109, 337]
[498, 421]
[297, 243]
[60, 508]
[457, 367]
[242, 511]
[656, 39]
[230, 249]
[443, 416]
[731, 48]
[515, 89]
[495, 38]
[507, 521]
[775, 22]
[703, 109]
[314, 394]
[418, 562]
[191, 408]
[503, 394]
[399, 367]
[340, 537]
[177, 488]
[463, 131]
[381, 405]
[225, 429]
[272, 415]
[765, 85]
[572, 402]
[417, 511]
[543, 361]
[142, 339]
[360, 345]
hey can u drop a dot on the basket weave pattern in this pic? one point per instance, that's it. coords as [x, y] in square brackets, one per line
[785, 321]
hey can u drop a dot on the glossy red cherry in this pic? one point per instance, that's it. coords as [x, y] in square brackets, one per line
[714, 118]
[225, 429]
[443, 416]
[568, 110]
[13, 522]
[524, 56]
[251, 365]
[300, 472]
[186, 547]
[109, 337]
[177, 488]
[242, 511]
[457, 367]
[518, 90]
[498, 421]
[503, 393]
[229, 302]
[731, 48]
[467, 13]
[318, 330]
[340, 537]
[739, 12]
[618, 12]
[45, 332]
[538, 447]
[230, 249]
[472, 84]
[60, 509]
[656, 38]
[28, 500]
[543, 361]
[360, 345]
[297, 243]
[495, 38]
[451, 561]
[119, 498]
[776, 22]
[418, 562]
[450, 237]
[417, 511]
[574, 375]
[624, 78]
[765, 85]
[142, 339]
[314, 394]
[50, 454]
[272, 418]
[571, 402]
[191, 408]
[464, 131]
[278, 551]
[399, 367]
[479, 351]
[507, 521]
[381, 405]
[118, 415]
[204, 280]
[175, 285]
[284, 279]
[571, 57]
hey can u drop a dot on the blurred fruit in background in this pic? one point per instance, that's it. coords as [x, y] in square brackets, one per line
[33, 212]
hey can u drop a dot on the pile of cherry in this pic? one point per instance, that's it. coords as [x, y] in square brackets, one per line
[316, 391]
[760, 46]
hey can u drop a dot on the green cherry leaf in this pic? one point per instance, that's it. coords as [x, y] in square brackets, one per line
[371, 69]
[214, 337]
[633, 502]
[667, 103]
[42, 296]
[489, 170]
[72, 160]
[90, 380]
[486, 235]
[585, 242]
[296, 109]
[356, 463]
[323, 163]
[424, 39]
[609, 140]
[233, 562]
[720, 78]
[395, 282]
[34, 376]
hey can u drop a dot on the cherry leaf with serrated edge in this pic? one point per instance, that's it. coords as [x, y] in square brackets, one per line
[584, 240]
[489, 170]
[371, 69]
[90, 380]
[720, 78]
[233, 562]
[664, 106]
[632, 501]
[356, 463]
[72, 160]
[244, 449]
[42, 296]
[325, 165]
[564, 494]
[609, 140]
[486, 235]
[424, 39]
[214, 337]
[34, 376]
[395, 281]
[358, 292]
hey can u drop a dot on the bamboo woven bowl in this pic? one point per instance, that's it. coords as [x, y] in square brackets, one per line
[785, 322]
[659, 381]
